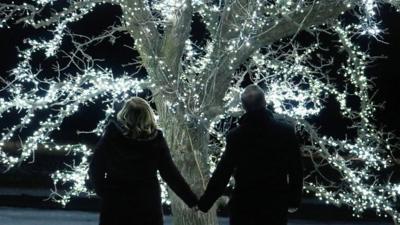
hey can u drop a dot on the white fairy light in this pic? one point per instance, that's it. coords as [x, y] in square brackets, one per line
[296, 85]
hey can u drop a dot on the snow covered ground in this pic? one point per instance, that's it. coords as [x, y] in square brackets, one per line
[28, 216]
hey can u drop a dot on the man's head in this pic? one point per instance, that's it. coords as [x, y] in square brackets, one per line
[253, 98]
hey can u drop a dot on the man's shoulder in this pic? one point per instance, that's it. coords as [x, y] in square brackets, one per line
[278, 123]
[287, 129]
[238, 130]
[234, 133]
[283, 123]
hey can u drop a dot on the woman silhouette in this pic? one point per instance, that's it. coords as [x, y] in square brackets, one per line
[124, 168]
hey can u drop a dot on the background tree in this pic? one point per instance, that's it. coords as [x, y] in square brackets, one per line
[196, 84]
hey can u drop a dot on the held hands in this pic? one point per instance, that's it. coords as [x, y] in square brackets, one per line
[292, 210]
[197, 210]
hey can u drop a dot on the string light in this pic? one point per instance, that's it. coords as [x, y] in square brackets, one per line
[297, 86]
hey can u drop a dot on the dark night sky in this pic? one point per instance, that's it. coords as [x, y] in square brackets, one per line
[385, 70]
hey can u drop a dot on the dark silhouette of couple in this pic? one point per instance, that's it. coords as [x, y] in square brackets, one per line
[262, 154]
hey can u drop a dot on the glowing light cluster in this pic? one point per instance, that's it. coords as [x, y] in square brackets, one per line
[199, 84]
[63, 96]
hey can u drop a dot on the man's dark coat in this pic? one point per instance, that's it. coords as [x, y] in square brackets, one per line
[123, 172]
[263, 155]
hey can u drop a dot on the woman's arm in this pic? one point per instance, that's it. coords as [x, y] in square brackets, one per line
[295, 172]
[97, 166]
[173, 177]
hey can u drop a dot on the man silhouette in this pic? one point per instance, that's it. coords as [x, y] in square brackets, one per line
[263, 155]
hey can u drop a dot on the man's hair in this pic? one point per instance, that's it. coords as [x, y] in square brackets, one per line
[253, 98]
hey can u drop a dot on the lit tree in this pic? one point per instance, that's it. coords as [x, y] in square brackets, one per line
[196, 86]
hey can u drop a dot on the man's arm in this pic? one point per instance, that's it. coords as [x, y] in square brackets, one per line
[295, 172]
[220, 177]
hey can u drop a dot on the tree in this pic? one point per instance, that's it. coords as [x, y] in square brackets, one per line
[196, 85]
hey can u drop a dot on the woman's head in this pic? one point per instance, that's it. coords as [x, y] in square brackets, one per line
[138, 117]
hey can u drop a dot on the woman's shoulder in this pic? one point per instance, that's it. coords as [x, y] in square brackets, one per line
[158, 134]
[113, 128]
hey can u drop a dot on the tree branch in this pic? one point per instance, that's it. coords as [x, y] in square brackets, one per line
[29, 11]
[288, 25]
[176, 33]
[232, 16]
[314, 15]
[141, 25]
[394, 3]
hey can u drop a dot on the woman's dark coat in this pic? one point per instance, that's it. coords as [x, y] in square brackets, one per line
[262, 154]
[123, 172]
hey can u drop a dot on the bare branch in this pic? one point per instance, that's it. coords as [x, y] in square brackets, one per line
[314, 15]
[141, 25]
[26, 13]
[176, 33]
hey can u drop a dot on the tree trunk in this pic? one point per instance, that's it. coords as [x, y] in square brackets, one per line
[189, 149]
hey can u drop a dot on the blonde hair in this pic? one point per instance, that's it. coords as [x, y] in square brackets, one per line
[138, 118]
